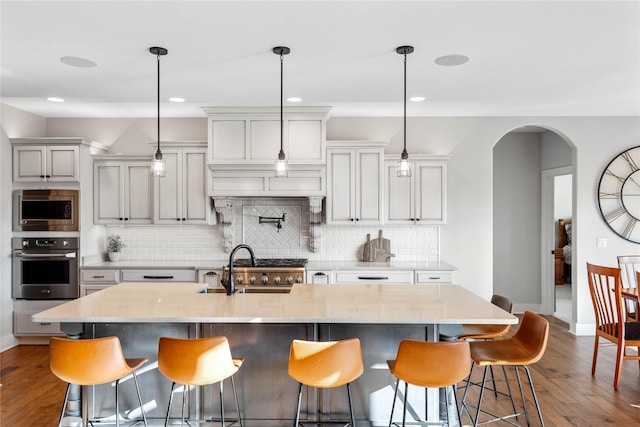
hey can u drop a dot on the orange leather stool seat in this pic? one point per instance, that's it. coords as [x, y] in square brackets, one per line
[96, 361]
[198, 362]
[326, 364]
[525, 347]
[484, 332]
[429, 364]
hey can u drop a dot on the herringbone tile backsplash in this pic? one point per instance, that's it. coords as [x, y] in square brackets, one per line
[205, 242]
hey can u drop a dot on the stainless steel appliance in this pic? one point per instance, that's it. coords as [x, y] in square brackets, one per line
[45, 268]
[268, 271]
[45, 210]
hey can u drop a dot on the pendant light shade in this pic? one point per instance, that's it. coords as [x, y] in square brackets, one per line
[281, 161]
[158, 165]
[404, 165]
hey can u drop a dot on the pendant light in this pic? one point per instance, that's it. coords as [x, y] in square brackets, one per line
[404, 166]
[281, 161]
[158, 165]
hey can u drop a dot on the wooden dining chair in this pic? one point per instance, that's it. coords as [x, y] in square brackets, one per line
[629, 267]
[605, 286]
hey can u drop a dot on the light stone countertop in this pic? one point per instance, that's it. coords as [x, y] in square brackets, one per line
[311, 265]
[391, 265]
[351, 304]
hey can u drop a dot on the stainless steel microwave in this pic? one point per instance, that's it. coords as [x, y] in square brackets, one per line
[45, 210]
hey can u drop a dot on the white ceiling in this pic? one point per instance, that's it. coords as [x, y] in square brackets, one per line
[545, 58]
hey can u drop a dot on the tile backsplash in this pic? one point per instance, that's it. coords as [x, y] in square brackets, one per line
[206, 242]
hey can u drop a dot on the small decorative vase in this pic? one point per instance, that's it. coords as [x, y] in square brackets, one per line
[114, 256]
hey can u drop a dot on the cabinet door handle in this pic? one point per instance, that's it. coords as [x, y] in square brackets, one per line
[373, 278]
[157, 277]
[417, 219]
[320, 274]
[98, 277]
[45, 323]
[434, 277]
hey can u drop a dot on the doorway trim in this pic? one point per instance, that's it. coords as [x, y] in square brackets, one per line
[547, 242]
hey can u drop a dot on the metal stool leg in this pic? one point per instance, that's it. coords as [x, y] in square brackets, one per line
[484, 378]
[221, 384]
[297, 422]
[64, 405]
[393, 405]
[235, 395]
[535, 397]
[404, 404]
[353, 418]
[524, 401]
[117, 405]
[135, 380]
[166, 420]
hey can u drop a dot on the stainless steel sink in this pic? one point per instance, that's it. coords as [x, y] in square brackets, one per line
[249, 290]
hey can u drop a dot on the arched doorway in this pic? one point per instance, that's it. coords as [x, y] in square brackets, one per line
[526, 162]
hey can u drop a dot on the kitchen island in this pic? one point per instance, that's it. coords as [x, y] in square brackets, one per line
[260, 328]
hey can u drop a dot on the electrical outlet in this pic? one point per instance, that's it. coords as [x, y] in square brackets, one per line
[601, 242]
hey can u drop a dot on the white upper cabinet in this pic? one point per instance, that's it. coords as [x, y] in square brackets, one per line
[419, 199]
[122, 190]
[355, 182]
[249, 136]
[49, 159]
[181, 196]
[244, 143]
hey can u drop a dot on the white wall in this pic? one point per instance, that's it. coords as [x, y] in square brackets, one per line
[15, 124]
[516, 220]
[467, 239]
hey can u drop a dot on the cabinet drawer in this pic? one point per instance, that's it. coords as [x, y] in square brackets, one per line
[434, 277]
[368, 276]
[22, 325]
[158, 275]
[100, 276]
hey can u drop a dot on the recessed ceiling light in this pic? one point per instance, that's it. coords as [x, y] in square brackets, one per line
[55, 99]
[176, 99]
[294, 99]
[451, 60]
[76, 61]
[417, 98]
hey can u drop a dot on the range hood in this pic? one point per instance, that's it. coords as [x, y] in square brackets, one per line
[243, 143]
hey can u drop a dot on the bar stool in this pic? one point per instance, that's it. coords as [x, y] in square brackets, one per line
[475, 332]
[431, 365]
[327, 364]
[198, 362]
[485, 332]
[525, 348]
[91, 362]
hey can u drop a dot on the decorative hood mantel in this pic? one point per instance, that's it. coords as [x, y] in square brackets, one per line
[270, 223]
[243, 143]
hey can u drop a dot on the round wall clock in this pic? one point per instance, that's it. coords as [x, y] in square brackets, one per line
[619, 194]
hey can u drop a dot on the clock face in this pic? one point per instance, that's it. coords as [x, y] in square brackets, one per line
[619, 194]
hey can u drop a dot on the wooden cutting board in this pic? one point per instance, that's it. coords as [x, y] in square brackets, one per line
[376, 250]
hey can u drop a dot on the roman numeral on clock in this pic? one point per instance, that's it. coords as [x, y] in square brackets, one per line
[615, 214]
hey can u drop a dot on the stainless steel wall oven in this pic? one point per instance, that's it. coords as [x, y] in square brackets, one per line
[45, 268]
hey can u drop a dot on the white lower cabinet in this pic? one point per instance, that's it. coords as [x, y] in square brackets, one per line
[434, 277]
[23, 326]
[95, 280]
[374, 276]
[316, 277]
[159, 275]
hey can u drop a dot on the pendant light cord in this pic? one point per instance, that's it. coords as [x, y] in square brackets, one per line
[281, 155]
[404, 151]
[158, 58]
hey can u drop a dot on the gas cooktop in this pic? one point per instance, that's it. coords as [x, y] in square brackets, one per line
[272, 262]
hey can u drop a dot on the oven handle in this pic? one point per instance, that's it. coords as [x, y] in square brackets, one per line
[27, 256]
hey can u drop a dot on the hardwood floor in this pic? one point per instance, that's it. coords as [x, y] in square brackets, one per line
[569, 396]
